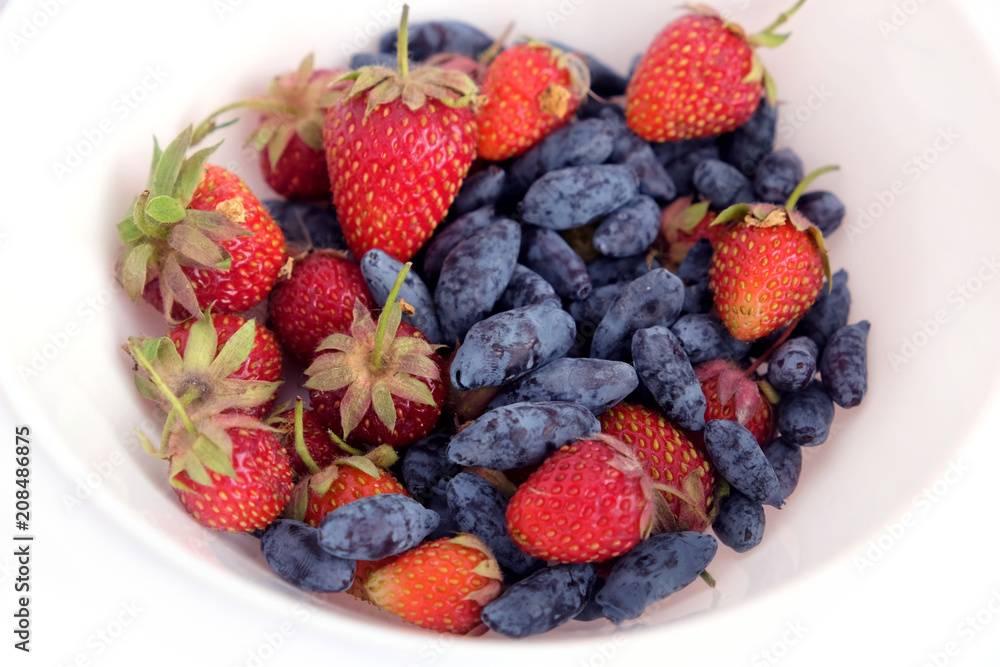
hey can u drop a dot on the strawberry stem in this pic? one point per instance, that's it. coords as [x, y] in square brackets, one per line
[487, 56]
[383, 318]
[767, 353]
[793, 198]
[403, 44]
[162, 386]
[300, 440]
[784, 16]
[343, 445]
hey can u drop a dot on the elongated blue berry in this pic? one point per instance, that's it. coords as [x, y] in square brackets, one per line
[666, 371]
[480, 509]
[793, 364]
[584, 142]
[596, 384]
[844, 365]
[376, 527]
[828, 313]
[521, 434]
[705, 338]
[572, 197]
[615, 270]
[542, 601]
[740, 522]
[722, 184]
[425, 463]
[629, 229]
[510, 345]
[474, 275]
[482, 188]
[650, 300]
[823, 209]
[431, 37]
[527, 288]
[550, 256]
[292, 550]
[786, 461]
[805, 417]
[654, 569]
[746, 146]
[739, 459]
[777, 175]
[450, 235]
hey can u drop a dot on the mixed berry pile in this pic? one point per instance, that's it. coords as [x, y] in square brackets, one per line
[561, 331]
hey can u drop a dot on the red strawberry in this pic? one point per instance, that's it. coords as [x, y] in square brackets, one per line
[215, 364]
[734, 396]
[363, 571]
[679, 469]
[768, 265]
[699, 77]
[382, 383]
[198, 237]
[530, 89]
[316, 301]
[440, 585]
[290, 136]
[588, 502]
[232, 474]
[262, 363]
[398, 147]
[341, 482]
[320, 448]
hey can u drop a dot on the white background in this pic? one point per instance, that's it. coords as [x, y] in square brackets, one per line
[97, 597]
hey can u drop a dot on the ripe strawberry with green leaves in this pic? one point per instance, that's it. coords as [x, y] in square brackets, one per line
[733, 395]
[197, 237]
[440, 585]
[701, 76]
[530, 89]
[680, 470]
[768, 265]
[216, 364]
[262, 363]
[381, 383]
[588, 502]
[343, 481]
[398, 147]
[228, 469]
[289, 137]
[317, 300]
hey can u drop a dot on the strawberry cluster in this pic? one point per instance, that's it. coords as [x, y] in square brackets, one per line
[536, 327]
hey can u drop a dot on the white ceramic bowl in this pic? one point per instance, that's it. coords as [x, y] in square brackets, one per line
[902, 102]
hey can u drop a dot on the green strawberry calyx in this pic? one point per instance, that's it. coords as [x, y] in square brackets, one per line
[319, 481]
[383, 84]
[374, 365]
[197, 383]
[162, 234]
[195, 442]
